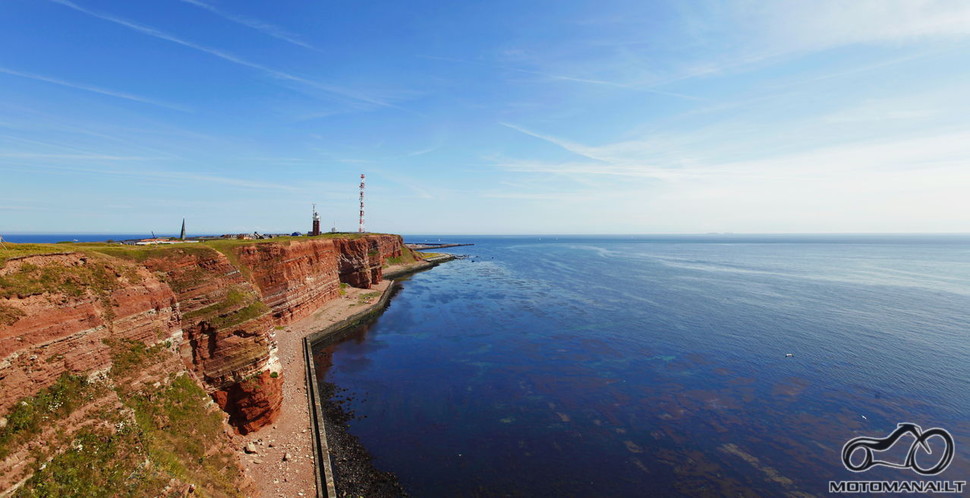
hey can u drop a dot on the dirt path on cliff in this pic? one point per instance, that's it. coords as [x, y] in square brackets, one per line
[282, 464]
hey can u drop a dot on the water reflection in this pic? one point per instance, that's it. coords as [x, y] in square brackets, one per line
[527, 373]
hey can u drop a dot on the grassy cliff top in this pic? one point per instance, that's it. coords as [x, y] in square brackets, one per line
[141, 253]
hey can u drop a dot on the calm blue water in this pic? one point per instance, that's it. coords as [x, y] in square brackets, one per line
[53, 238]
[620, 367]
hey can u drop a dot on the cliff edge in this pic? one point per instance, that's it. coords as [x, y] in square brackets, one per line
[153, 355]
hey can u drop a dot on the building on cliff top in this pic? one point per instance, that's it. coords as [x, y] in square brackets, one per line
[149, 242]
[316, 222]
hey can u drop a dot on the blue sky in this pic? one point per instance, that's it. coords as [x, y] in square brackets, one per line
[500, 117]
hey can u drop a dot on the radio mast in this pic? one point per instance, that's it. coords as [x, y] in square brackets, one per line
[361, 228]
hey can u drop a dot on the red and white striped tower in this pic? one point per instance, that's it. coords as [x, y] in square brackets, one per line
[361, 228]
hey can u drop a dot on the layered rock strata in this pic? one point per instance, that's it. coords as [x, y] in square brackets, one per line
[219, 309]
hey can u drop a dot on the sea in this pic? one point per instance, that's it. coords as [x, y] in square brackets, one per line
[666, 366]
[53, 238]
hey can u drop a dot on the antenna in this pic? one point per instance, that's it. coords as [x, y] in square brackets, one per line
[361, 228]
[1, 242]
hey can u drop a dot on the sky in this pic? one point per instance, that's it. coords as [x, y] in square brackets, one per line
[485, 117]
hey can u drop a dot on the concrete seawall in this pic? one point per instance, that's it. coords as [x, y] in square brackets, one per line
[427, 264]
[326, 485]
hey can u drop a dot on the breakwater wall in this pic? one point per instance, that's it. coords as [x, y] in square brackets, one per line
[326, 480]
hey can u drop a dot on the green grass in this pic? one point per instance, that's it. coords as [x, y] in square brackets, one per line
[168, 431]
[9, 250]
[233, 299]
[178, 430]
[129, 356]
[98, 460]
[142, 253]
[407, 256]
[251, 311]
[363, 298]
[30, 415]
[224, 245]
[131, 253]
[72, 280]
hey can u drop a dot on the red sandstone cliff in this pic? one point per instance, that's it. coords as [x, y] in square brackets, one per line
[66, 330]
[218, 310]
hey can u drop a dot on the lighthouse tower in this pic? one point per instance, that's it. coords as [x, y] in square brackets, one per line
[316, 222]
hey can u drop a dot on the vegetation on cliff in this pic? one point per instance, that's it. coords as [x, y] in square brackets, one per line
[407, 257]
[156, 437]
[30, 415]
[142, 253]
[72, 280]
[118, 352]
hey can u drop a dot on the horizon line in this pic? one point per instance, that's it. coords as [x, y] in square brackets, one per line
[519, 234]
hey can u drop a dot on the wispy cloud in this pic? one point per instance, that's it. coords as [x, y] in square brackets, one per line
[594, 153]
[93, 89]
[75, 157]
[23, 208]
[944, 153]
[72, 152]
[426, 150]
[815, 25]
[575, 79]
[159, 174]
[730, 38]
[263, 27]
[332, 89]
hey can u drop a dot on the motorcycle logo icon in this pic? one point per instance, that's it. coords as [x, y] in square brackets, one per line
[869, 445]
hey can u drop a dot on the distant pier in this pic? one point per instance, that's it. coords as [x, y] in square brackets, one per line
[433, 245]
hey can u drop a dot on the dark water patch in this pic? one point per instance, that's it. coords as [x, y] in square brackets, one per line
[619, 367]
[352, 464]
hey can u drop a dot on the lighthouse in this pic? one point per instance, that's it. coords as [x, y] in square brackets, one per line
[316, 222]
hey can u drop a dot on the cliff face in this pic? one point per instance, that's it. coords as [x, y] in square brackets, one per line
[225, 329]
[216, 310]
[66, 309]
[295, 279]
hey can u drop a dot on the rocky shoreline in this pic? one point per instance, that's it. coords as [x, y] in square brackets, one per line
[352, 464]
